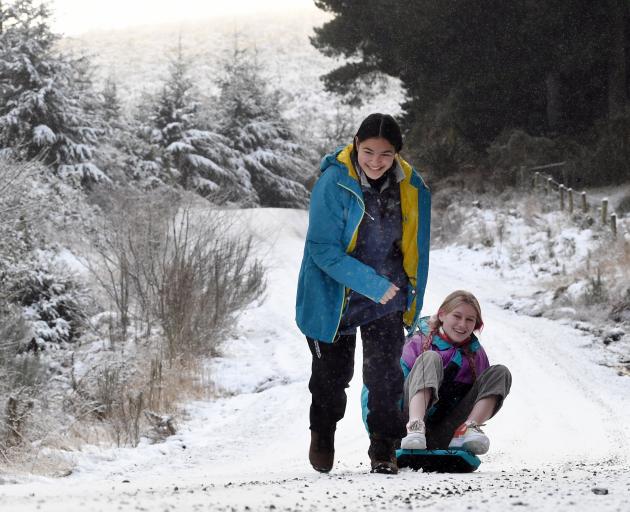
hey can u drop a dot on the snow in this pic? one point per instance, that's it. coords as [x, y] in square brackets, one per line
[179, 147]
[281, 45]
[69, 261]
[43, 135]
[559, 443]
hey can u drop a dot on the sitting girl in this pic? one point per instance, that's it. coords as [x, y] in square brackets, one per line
[450, 388]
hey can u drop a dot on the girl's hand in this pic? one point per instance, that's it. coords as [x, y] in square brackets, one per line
[389, 294]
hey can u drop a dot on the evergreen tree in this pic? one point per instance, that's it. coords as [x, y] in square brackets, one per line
[123, 152]
[548, 67]
[198, 157]
[111, 106]
[251, 118]
[44, 97]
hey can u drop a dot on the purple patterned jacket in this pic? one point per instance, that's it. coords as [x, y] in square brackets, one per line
[458, 377]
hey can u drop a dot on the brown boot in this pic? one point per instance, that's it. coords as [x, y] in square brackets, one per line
[382, 454]
[321, 454]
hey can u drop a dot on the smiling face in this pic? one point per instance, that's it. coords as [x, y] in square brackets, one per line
[459, 323]
[375, 155]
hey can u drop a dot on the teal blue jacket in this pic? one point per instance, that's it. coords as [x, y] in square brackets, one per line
[328, 269]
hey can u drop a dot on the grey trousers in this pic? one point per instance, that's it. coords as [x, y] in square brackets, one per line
[427, 372]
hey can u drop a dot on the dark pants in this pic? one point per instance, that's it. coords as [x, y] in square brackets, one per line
[333, 368]
[495, 381]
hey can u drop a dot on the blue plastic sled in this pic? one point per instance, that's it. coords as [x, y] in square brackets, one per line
[440, 461]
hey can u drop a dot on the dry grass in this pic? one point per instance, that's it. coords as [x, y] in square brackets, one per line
[115, 407]
[24, 460]
[163, 391]
[614, 265]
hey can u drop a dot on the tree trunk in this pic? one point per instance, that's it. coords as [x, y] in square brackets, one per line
[554, 101]
[617, 96]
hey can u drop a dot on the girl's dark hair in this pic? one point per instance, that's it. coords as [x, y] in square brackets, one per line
[381, 125]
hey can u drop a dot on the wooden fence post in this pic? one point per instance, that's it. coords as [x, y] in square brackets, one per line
[570, 191]
[604, 211]
[561, 187]
[584, 203]
[548, 186]
[613, 224]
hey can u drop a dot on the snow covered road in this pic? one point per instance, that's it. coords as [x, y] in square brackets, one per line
[560, 443]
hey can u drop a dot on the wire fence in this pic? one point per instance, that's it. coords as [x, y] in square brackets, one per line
[569, 200]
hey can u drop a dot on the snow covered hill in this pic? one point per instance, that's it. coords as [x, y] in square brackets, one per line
[137, 60]
[560, 443]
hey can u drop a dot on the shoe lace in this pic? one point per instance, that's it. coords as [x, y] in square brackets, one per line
[473, 425]
[416, 426]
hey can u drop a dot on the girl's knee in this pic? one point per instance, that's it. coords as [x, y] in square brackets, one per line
[428, 358]
[432, 357]
[498, 370]
[505, 372]
[502, 372]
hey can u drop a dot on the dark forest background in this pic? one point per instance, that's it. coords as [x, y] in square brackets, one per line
[477, 72]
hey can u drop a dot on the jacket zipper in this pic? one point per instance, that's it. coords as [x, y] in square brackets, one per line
[363, 212]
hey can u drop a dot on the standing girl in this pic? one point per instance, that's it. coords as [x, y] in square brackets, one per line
[450, 388]
[365, 265]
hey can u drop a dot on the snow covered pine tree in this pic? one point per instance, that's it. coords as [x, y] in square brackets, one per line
[43, 96]
[251, 118]
[198, 157]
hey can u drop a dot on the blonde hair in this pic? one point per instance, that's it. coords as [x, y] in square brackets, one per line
[451, 302]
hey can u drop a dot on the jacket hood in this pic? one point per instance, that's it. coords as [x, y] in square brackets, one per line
[331, 159]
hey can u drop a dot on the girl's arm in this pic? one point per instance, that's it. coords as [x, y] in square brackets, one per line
[324, 242]
[413, 349]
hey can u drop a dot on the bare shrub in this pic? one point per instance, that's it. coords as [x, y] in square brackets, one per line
[17, 411]
[156, 384]
[205, 276]
[604, 284]
[110, 394]
[178, 267]
[126, 420]
[127, 400]
[14, 334]
[596, 290]
[18, 400]
[177, 273]
[615, 265]
[21, 375]
[109, 387]
[161, 426]
[125, 247]
[447, 217]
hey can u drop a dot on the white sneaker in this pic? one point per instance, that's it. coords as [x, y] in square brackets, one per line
[415, 438]
[470, 437]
